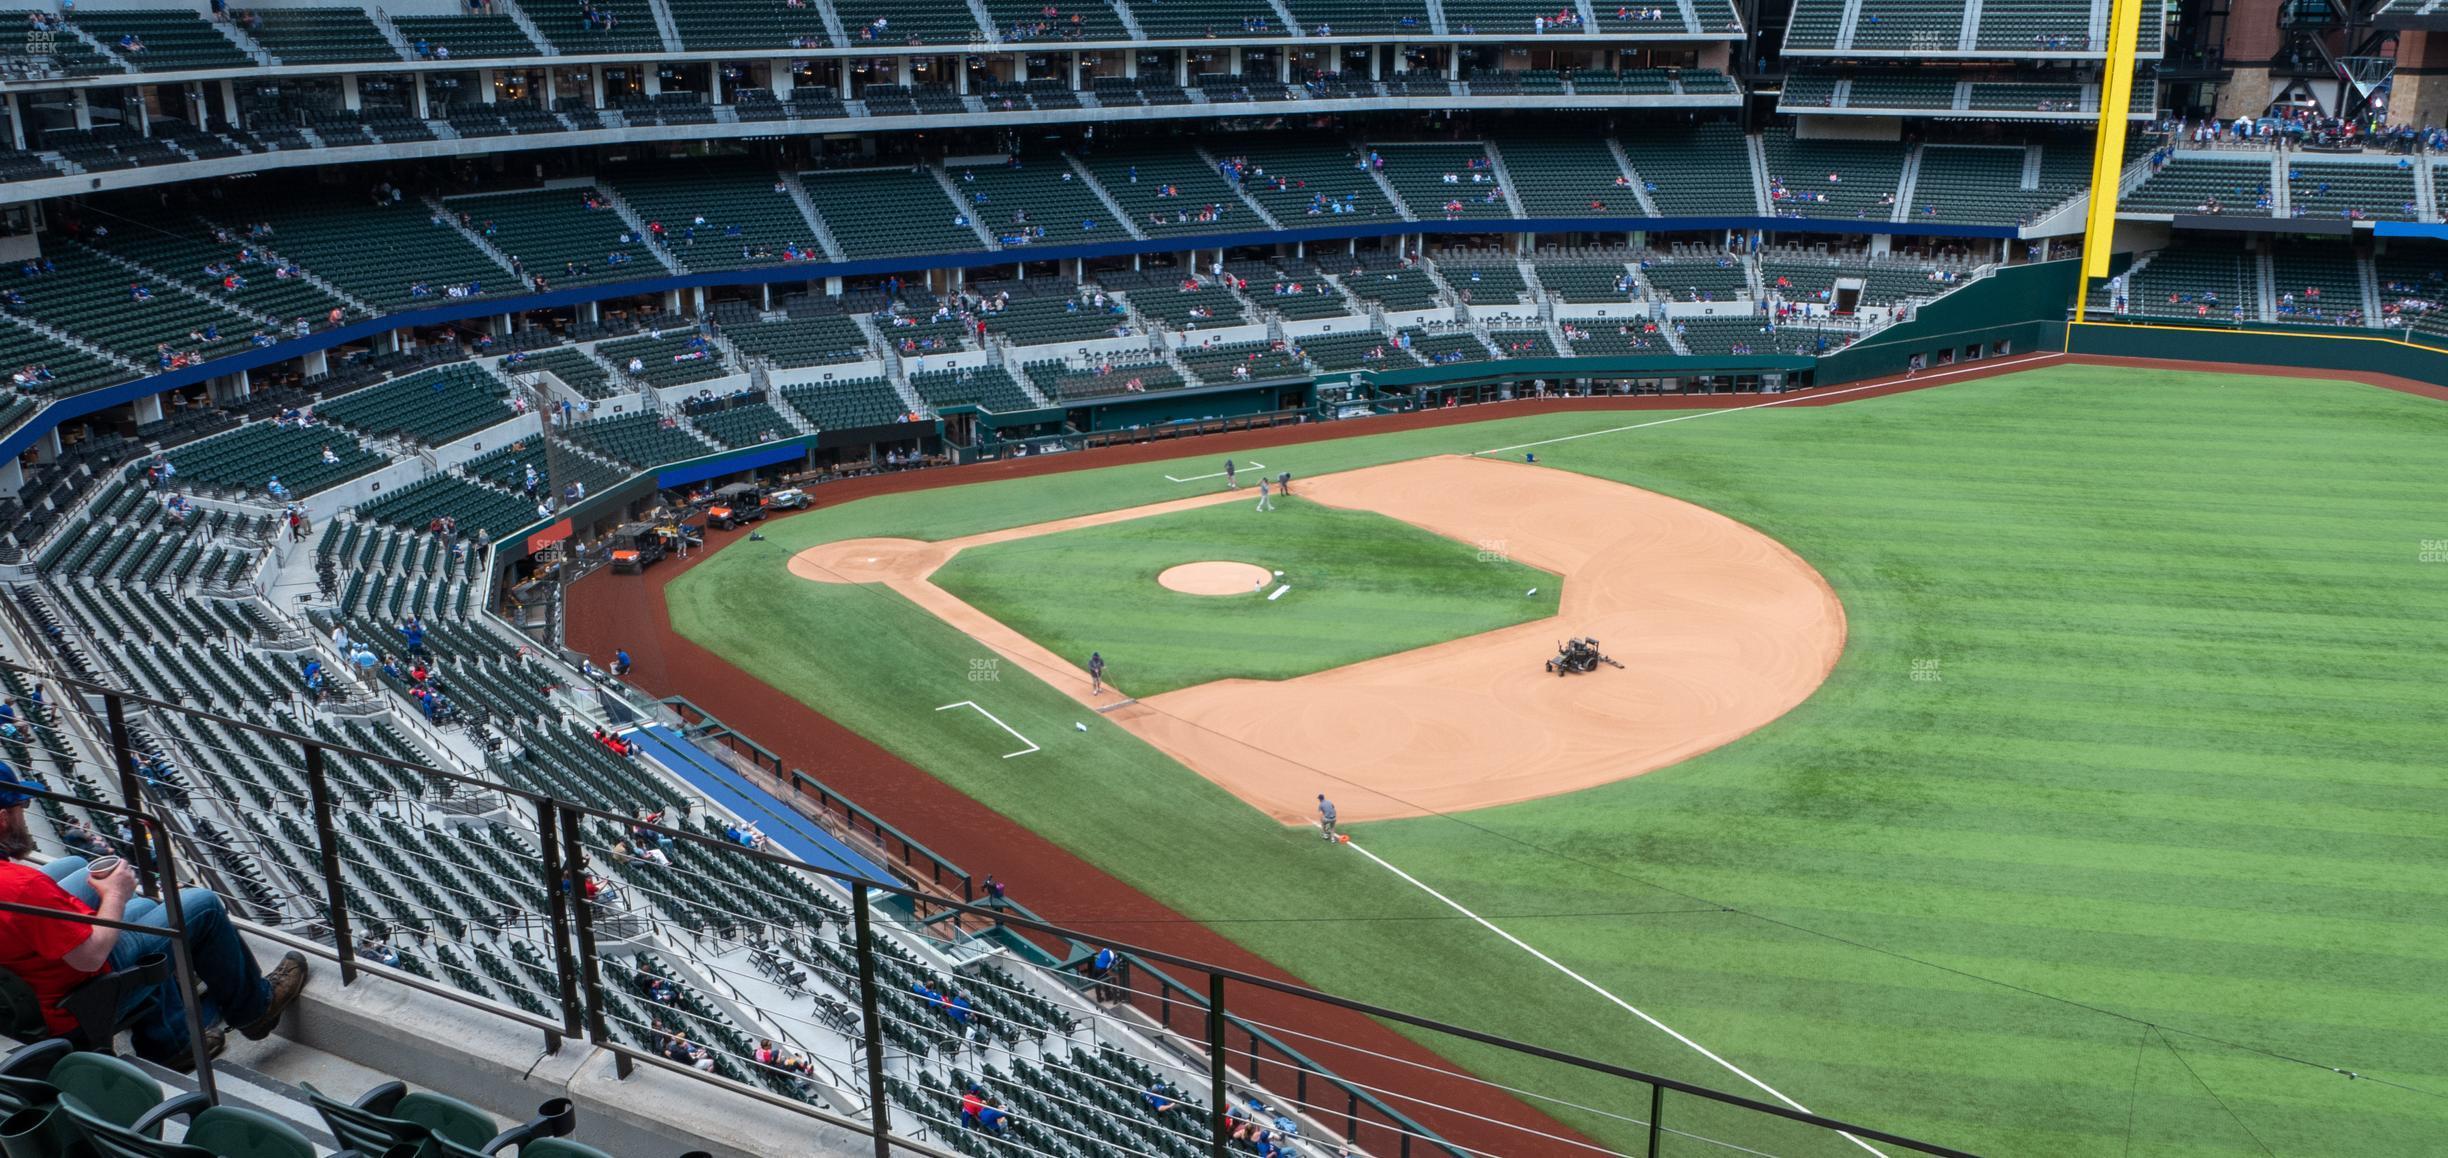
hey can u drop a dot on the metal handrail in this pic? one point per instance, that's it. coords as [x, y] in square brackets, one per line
[563, 863]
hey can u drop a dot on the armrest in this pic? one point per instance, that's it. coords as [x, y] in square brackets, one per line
[382, 1099]
[96, 1004]
[554, 1119]
[183, 1106]
[33, 1061]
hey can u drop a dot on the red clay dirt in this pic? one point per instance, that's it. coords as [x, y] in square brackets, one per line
[607, 612]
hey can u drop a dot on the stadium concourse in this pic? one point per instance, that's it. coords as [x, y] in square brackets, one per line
[356, 353]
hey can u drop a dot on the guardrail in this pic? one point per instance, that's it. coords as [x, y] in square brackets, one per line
[582, 919]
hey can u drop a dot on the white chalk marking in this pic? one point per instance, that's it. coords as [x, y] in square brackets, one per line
[1785, 401]
[1593, 987]
[1279, 593]
[1218, 474]
[1032, 744]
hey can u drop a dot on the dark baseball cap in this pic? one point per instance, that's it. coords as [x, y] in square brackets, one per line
[9, 779]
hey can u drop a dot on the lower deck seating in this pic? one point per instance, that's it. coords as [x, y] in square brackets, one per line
[815, 341]
[302, 459]
[641, 440]
[847, 405]
[431, 407]
[989, 388]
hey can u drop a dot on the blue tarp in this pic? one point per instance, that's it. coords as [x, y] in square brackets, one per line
[699, 470]
[730, 791]
[2424, 229]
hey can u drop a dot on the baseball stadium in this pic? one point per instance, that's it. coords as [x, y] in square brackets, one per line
[723, 578]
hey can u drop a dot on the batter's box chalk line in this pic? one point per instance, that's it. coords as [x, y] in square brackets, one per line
[1218, 474]
[998, 722]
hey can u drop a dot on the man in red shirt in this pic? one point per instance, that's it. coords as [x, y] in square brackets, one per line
[54, 955]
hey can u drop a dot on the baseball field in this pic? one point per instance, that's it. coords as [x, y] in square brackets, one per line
[2043, 764]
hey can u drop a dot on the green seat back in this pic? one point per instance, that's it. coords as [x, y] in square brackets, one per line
[235, 1132]
[105, 1087]
[448, 1117]
[413, 1118]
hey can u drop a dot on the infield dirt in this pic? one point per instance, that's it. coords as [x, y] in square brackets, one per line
[1719, 629]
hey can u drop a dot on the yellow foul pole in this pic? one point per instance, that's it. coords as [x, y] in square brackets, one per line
[2108, 161]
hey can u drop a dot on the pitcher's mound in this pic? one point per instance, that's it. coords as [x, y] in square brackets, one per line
[1215, 578]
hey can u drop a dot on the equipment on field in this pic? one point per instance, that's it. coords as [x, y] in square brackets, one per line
[1578, 656]
[734, 505]
[635, 547]
[787, 499]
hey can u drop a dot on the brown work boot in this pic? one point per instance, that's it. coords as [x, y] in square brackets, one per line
[288, 979]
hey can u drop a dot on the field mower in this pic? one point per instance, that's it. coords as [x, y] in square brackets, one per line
[1577, 656]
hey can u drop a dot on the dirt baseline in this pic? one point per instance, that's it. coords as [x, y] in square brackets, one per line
[1720, 629]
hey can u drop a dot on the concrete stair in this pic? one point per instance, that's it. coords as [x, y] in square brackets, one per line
[474, 238]
[815, 220]
[1623, 161]
[390, 31]
[960, 201]
[1243, 194]
[1080, 170]
[665, 26]
[637, 224]
[177, 285]
[518, 16]
[1504, 180]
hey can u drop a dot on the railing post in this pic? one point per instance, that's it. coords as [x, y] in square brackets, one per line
[565, 967]
[1657, 1118]
[590, 972]
[123, 754]
[879, 1109]
[1218, 1091]
[182, 961]
[335, 896]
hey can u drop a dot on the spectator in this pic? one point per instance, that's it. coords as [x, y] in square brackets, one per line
[1159, 1100]
[1100, 968]
[378, 951]
[54, 955]
[81, 839]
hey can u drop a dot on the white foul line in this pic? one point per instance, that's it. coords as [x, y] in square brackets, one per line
[1218, 474]
[1786, 401]
[1032, 745]
[1593, 987]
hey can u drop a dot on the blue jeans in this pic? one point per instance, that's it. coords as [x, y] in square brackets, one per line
[232, 988]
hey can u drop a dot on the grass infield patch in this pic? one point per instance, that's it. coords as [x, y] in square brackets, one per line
[1363, 585]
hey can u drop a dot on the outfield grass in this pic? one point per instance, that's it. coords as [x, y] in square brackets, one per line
[1363, 585]
[2126, 792]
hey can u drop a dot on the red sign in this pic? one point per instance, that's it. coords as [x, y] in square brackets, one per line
[548, 536]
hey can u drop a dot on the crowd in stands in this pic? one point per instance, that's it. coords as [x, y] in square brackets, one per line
[2301, 127]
